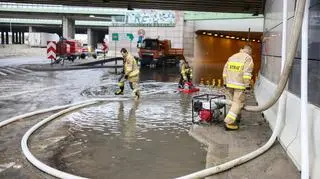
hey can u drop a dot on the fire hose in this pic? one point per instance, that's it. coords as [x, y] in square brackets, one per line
[67, 108]
[297, 23]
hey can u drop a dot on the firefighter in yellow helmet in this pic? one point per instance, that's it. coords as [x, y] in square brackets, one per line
[237, 74]
[130, 72]
[185, 73]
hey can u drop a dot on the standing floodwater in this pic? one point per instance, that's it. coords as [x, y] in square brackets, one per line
[125, 139]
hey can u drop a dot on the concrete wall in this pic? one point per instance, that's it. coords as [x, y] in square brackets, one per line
[290, 135]
[270, 74]
[175, 34]
[188, 38]
[21, 50]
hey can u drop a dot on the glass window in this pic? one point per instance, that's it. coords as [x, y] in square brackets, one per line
[150, 44]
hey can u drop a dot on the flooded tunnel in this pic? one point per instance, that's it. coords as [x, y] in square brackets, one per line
[153, 137]
[213, 48]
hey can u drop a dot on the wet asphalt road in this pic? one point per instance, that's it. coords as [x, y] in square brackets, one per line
[16, 61]
[128, 139]
[131, 139]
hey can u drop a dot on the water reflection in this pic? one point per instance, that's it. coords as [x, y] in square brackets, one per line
[185, 103]
[128, 125]
[167, 74]
[133, 139]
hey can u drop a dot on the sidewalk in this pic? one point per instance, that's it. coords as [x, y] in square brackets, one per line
[223, 146]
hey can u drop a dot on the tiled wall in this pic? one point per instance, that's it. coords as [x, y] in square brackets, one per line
[271, 58]
[270, 71]
[188, 38]
[175, 34]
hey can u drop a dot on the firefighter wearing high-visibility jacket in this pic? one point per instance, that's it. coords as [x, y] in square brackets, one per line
[130, 72]
[237, 74]
[185, 73]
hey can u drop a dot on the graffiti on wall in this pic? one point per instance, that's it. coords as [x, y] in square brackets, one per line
[151, 17]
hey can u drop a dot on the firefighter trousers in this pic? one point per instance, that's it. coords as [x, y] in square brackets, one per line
[133, 82]
[238, 99]
[182, 79]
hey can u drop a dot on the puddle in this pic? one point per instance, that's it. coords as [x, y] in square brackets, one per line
[145, 139]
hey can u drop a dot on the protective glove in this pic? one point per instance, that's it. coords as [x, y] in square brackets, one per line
[125, 76]
[248, 88]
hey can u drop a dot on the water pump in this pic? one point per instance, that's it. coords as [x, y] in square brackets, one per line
[208, 108]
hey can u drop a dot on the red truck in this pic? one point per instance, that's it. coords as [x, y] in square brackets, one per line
[154, 52]
[68, 50]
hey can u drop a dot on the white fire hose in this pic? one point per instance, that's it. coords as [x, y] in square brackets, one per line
[298, 17]
[71, 107]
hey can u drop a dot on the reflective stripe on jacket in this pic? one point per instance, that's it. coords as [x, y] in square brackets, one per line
[131, 67]
[237, 72]
[185, 69]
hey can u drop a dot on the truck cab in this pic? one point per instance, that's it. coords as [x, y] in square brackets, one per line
[154, 52]
[150, 51]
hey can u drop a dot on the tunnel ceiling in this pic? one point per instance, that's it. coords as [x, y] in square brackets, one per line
[235, 6]
[252, 35]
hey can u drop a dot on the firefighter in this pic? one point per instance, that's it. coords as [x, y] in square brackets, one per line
[185, 73]
[237, 74]
[130, 72]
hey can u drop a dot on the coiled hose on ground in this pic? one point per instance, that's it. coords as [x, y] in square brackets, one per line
[70, 107]
[203, 173]
[297, 23]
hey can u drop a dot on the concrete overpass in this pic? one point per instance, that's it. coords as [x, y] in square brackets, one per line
[63, 20]
[234, 6]
[18, 18]
[71, 19]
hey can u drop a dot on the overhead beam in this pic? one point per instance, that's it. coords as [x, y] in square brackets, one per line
[190, 5]
[55, 16]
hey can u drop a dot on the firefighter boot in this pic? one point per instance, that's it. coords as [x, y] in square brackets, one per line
[231, 127]
[136, 94]
[238, 119]
[120, 91]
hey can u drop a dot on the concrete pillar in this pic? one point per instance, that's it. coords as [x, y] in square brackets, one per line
[7, 37]
[19, 39]
[12, 37]
[31, 29]
[22, 38]
[68, 28]
[2, 37]
[90, 39]
[15, 40]
[15, 37]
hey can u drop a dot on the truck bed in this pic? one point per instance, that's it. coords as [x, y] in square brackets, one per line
[175, 51]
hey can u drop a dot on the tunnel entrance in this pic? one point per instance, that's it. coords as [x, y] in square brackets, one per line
[213, 48]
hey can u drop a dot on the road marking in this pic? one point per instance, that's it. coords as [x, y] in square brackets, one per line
[3, 74]
[26, 70]
[15, 69]
[7, 71]
[5, 166]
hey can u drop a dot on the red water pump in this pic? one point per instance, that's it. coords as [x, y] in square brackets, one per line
[208, 108]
